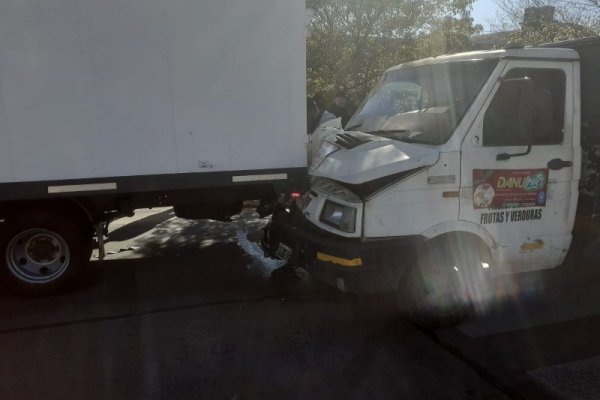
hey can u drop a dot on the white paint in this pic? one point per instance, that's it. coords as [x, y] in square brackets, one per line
[413, 205]
[416, 207]
[324, 132]
[525, 53]
[257, 178]
[461, 226]
[89, 187]
[94, 89]
[554, 229]
[375, 159]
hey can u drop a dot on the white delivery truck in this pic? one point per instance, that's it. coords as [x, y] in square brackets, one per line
[108, 106]
[454, 169]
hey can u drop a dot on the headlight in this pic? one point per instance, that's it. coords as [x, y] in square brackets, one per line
[339, 216]
[326, 149]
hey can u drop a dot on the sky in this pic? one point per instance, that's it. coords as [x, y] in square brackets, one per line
[483, 12]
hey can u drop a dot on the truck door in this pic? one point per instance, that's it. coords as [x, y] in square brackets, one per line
[517, 174]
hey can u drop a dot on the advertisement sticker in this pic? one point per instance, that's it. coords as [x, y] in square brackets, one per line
[509, 188]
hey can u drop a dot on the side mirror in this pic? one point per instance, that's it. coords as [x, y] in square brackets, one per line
[508, 119]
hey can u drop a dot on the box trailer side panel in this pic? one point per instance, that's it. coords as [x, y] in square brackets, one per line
[107, 106]
[145, 88]
[253, 90]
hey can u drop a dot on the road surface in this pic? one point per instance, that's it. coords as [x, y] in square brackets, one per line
[178, 310]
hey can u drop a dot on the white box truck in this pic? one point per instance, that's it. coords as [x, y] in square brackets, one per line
[108, 106]
[454, 169]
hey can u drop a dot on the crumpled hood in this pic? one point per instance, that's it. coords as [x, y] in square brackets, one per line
[364, 157]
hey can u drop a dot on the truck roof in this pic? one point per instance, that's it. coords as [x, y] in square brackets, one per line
[526, 53]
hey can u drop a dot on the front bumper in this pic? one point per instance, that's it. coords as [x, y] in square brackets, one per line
[352, 265]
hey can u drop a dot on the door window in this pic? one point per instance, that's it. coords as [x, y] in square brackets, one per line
[548, 109]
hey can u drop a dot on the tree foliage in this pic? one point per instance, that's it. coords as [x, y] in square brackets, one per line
[353, 41]
[533, 22]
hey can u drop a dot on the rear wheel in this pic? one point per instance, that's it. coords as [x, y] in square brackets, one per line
[44, 253]
[453, 276]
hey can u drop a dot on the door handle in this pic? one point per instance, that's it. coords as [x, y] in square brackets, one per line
[507, 156]
[557, 164]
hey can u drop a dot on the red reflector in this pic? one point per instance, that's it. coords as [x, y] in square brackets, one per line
[295, 195]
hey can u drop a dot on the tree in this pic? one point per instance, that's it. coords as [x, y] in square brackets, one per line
[353, 41]
[533, 22]
[450, 35]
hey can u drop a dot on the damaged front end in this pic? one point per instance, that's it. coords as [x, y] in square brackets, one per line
[350, 264]
[324, 231]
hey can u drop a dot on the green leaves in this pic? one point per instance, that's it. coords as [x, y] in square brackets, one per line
[532, 22]
[354, 41]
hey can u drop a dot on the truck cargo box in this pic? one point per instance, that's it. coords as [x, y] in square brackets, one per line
[147, 95]
[108, 106]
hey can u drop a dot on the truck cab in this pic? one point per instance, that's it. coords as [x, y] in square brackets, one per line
[454, 170]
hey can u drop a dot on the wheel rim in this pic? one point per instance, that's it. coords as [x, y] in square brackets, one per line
[37, 256]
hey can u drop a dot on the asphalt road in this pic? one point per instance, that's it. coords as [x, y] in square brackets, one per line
[179, 311]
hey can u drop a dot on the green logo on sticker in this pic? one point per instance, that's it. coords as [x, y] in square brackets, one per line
[535, 182]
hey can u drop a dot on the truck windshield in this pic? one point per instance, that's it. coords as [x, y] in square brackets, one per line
[422, 104]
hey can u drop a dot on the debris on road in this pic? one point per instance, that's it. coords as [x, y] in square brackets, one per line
[261, 264]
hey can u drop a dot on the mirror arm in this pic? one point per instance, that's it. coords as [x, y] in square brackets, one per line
[506, 156]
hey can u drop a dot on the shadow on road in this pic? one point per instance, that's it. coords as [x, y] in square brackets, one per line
[139, 227]
[176, 237]
[124, 288]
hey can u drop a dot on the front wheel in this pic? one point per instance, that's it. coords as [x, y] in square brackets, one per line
[452, 277]
[44, 253]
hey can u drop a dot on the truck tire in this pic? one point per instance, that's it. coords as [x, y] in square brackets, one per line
[452, 278]
[44, 253]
